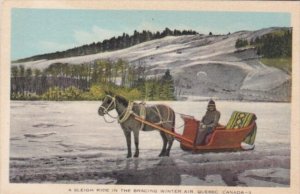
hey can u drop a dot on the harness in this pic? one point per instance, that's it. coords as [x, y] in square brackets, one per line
[129, 111]
[126, 114]
[142, 114]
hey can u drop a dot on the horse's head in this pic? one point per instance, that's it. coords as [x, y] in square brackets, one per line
[108, 104]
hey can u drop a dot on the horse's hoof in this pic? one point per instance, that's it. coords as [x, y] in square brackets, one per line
[136, 154]
[161, 155]
[129, 156]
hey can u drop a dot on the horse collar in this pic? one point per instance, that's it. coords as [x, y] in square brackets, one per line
[126, 114]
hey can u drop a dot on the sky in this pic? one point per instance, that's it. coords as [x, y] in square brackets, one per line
[39, 31]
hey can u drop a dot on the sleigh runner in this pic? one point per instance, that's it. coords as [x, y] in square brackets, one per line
[241, 128]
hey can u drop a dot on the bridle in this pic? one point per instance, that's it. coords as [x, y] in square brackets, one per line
[112, 105]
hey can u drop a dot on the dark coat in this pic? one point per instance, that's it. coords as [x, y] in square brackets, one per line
[211, 118]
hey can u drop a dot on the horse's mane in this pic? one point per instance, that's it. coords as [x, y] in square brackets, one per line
[122, 100]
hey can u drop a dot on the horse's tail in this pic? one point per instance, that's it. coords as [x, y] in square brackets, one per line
[173, 119]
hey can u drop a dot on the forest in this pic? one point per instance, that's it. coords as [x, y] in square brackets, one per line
[61, 81]
[275, 49]
[274, 45]
[114, 43]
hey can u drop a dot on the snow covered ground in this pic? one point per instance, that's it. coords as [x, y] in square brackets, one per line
[67, 142]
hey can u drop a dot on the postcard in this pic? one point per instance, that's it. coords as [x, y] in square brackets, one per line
[192, 97]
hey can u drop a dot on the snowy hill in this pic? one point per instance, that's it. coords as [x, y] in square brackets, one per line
[202, 65]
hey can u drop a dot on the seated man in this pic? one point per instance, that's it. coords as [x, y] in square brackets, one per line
[208, 122]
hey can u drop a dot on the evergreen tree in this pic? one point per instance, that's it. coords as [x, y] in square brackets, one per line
[37, 82]
[28, 75]
[22, 77]
[14, 85]
[168, 86]
[241, 43]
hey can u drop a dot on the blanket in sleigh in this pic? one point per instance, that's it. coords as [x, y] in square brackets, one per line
[240, 120]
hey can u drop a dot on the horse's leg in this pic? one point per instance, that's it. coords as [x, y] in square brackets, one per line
[128, 140]
[163, 151]
[170, 138]
[136, 142]
[170, 143]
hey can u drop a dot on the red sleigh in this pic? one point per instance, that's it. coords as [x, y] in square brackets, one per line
[240, 128]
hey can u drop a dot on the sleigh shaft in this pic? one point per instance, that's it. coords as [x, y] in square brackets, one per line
[178, 137]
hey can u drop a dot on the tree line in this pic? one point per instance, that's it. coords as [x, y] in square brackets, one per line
[62, 81]
[271, 45]
[111, 44]
[274, 45]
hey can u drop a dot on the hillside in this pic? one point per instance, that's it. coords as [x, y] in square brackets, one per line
[112, 44]
[202, 66]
